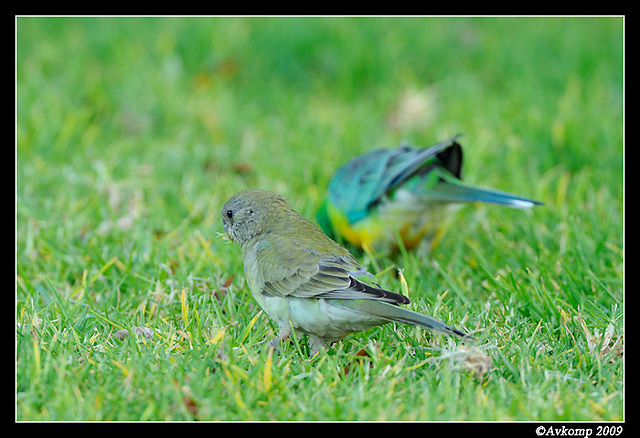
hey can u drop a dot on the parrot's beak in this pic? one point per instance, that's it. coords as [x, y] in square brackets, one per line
[225, 236]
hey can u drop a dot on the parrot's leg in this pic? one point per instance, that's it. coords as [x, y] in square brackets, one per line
[316, 343]
[284, 331]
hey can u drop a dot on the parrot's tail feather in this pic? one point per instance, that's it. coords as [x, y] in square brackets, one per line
[394, 313]
[457, 192]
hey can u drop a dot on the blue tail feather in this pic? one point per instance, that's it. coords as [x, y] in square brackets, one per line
[458, 192]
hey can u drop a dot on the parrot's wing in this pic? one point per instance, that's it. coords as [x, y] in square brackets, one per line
[359, 290]
[299, 271]
[405, 161]
[364, 180]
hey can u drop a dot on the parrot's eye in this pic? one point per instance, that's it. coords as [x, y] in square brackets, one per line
[229, 214]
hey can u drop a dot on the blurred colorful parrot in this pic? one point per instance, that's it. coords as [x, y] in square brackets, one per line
[406, 194]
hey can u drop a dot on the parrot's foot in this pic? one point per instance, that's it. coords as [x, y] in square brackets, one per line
[274, 343]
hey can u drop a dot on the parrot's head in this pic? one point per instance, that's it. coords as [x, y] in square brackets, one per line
[252, 212]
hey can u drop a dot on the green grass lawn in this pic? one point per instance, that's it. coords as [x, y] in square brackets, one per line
[133, 132]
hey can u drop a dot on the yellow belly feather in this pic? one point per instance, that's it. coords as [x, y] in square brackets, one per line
[413, 219]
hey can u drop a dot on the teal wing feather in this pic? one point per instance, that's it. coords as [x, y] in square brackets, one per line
[363, 181]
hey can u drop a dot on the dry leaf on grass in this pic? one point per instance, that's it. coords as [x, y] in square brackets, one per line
[600, 344]
[358, 359]
[415, 109]
[471, 359]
